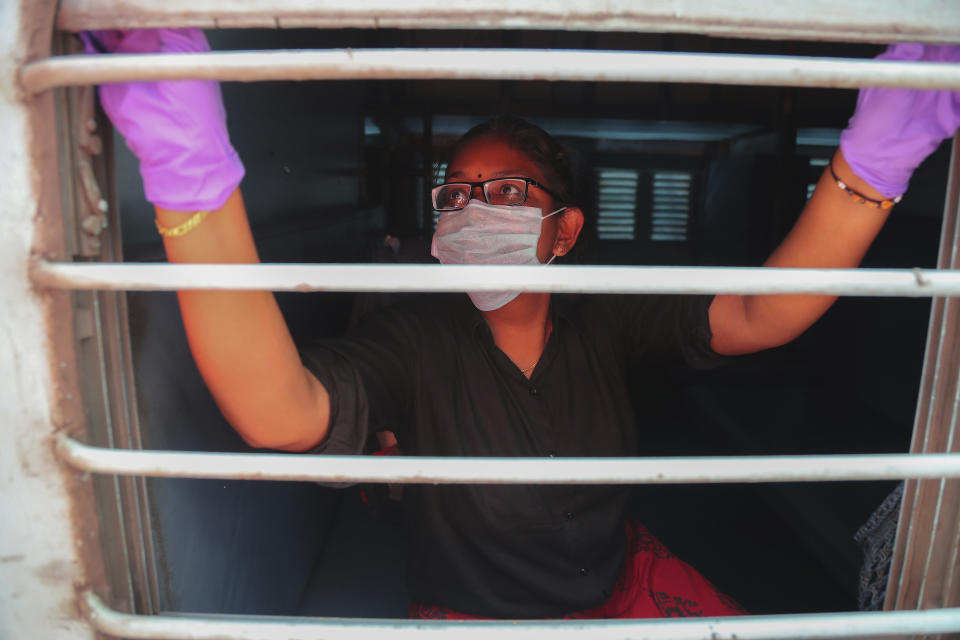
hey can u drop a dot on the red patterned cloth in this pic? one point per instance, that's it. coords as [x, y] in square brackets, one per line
[654, 583]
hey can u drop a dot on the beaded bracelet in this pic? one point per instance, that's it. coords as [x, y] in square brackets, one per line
[859, 198]
[182, 229]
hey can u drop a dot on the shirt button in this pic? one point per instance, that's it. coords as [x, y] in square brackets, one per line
[569, 515]
[533, 391]
[584, 572]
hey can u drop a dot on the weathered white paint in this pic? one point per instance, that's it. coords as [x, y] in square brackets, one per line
[850, 20]
[779, 627]
[38, 562]
[440, 278]
[431, 470]
[493, 64]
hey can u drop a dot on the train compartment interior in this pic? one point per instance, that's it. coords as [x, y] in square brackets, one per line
[669, 174]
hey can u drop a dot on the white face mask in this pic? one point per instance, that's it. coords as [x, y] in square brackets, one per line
[482, 233]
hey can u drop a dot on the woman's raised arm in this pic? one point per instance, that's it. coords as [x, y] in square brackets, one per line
[191, 174]
[889, 135]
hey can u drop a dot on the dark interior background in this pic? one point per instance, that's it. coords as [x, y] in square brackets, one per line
[335, 167]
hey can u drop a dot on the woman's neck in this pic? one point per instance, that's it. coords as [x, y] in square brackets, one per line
[521, 328]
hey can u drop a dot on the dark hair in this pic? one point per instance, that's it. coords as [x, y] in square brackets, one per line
[526, 137]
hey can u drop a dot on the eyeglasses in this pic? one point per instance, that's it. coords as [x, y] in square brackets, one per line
[512, 192]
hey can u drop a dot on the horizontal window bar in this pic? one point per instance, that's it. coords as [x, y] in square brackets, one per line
[851, 20]
[490, 64]
[426, 470]
[808, 626]
[448, 278]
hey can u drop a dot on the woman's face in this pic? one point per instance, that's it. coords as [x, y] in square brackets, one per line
[489, 157]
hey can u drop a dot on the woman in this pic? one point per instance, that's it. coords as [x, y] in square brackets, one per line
[501, 373]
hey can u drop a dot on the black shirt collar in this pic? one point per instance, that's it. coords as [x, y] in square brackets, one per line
[561, 308]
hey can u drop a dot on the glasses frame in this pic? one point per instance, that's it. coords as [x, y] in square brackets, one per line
[483, 188]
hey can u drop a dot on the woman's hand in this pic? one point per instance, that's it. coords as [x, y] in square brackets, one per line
[177, 129]
[893, 130]
[889, 135]
[239, 339]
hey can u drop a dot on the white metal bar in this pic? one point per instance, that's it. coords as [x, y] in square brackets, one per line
[851, 20]
[777, 627]
[426, 470]
[490, 64]
[446, 278]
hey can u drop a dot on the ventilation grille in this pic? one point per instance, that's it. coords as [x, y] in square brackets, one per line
[616, 204]
[670, 213]
[439, 172]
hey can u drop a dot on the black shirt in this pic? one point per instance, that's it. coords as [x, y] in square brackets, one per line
[432, 374]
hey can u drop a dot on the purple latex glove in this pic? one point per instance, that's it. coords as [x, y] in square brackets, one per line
[893, 130]
[177, 129]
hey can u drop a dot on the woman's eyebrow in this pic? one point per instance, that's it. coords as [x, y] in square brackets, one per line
[513, 173]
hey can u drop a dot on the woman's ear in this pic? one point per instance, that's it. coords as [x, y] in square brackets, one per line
[569, 227]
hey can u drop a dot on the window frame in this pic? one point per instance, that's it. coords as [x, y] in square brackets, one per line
[86, 341]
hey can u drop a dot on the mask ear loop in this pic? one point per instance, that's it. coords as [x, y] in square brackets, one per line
[555, 254]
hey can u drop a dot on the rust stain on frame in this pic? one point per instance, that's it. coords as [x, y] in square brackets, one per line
[67, 413]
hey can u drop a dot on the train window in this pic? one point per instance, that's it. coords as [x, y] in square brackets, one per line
[181, 522]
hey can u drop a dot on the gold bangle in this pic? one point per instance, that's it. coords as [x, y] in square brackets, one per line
[184, 228]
